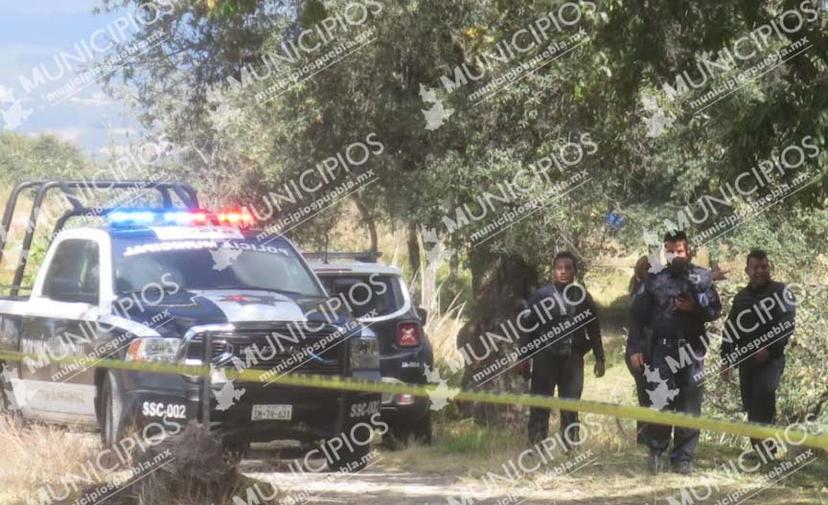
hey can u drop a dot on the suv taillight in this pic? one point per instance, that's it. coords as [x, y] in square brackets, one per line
[408, 334]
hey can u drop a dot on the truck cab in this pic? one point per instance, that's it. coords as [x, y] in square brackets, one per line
[184, 286]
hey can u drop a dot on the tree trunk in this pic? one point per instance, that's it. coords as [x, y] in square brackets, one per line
[500, 284]
[414, 260]
[369, 221]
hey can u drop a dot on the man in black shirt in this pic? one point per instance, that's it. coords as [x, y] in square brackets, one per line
[757, 330]
[563, 326]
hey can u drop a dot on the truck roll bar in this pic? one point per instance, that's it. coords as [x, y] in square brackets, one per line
[69, 189]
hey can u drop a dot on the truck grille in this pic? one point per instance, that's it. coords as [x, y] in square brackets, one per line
[319, 353]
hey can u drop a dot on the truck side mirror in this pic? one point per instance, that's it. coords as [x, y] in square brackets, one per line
[423, 314]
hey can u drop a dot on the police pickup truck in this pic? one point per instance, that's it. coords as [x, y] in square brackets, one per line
[179, 285]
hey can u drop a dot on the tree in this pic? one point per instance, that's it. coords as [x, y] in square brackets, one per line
[617, 89]
[42, 157]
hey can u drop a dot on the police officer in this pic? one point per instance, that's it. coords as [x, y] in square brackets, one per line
[642, 267]
[757, 330]
[563, 326]
[675, 304]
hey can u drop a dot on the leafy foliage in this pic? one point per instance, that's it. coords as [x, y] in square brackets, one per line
[26, 158]
[656, 154]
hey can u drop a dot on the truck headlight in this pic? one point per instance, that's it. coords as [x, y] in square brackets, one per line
[154, 349]
[365, 353]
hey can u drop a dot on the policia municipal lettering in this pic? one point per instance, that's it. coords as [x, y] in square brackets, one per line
[675, 304]
[565, 327]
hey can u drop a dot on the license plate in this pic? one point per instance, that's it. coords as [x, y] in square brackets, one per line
[272, 412]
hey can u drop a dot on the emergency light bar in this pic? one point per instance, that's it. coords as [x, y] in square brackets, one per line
[239, 218]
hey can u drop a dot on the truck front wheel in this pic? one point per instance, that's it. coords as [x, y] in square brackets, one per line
[348, 457]
[7, 404]
[114, 420]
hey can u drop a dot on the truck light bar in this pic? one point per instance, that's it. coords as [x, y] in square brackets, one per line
[239, 218]
[236, 217]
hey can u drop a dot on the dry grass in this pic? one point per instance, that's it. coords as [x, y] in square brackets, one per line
[442, 329]
[465, 452]
[617, 473]
[44, 464]
[190, 468]
[38, 455]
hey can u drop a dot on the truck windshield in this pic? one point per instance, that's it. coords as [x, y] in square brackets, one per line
[211, 264]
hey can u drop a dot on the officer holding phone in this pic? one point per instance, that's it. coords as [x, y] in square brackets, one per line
[675, 304]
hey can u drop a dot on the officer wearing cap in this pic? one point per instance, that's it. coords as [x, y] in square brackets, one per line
[675, 304]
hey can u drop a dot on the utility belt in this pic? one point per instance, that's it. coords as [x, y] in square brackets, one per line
[662, 347]
[671, 343]
[675, 342]
[662, 351]
[674, 354]
[653, 341]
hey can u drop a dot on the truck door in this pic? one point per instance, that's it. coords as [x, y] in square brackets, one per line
[62, 324]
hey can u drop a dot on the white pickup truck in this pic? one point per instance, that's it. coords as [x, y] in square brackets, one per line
[155, 285]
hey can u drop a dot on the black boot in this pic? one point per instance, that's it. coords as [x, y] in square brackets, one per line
[683, 467]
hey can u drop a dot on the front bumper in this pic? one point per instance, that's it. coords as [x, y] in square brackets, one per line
[314, 413]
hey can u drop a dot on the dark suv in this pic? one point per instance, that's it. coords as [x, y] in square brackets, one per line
[381, 302]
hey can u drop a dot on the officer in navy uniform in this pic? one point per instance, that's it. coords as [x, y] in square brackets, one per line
[642, 267]
[565, 327]
[758, 328]
[675, 304]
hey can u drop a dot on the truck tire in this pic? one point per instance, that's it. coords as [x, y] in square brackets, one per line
[350, 460]
[114, 420]
[6, 403]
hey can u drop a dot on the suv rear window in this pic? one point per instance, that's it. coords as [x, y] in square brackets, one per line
[366, 292]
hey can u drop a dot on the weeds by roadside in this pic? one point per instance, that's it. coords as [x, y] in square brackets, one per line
[33, 455]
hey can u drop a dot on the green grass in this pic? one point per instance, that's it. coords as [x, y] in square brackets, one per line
[618, 474]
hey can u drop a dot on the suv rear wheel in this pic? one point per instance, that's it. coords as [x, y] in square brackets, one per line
[419, 429]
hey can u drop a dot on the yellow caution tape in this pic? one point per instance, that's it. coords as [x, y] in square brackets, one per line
[800, 436]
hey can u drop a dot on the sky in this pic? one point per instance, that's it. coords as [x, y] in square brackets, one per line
[33, 33]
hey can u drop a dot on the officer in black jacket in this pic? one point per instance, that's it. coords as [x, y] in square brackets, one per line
[675, 304]
[757, 330]
[642, 267]
[562, 324]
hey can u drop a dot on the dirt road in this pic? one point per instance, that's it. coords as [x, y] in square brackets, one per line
[374, 486]
[598, 482]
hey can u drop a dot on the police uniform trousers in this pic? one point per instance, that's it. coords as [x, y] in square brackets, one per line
[758, 385]
[688, 379]
[566, 373]
[643, 399]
